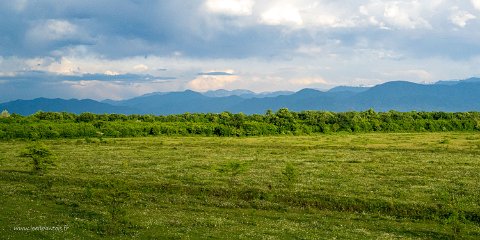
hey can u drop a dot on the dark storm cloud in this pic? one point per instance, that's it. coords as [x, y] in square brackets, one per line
[42, 76]
[111, 27]
[117, 29]
[129, 28]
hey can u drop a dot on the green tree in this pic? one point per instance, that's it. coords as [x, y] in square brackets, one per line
[284, 120]
[86, 117]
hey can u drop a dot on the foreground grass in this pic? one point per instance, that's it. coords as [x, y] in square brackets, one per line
[347, 186]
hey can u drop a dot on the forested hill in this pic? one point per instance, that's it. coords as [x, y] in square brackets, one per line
[449, 96]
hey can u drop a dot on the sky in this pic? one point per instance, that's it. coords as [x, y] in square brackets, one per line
[119, 49]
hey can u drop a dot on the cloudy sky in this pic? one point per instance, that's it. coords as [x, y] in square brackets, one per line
[124, 48]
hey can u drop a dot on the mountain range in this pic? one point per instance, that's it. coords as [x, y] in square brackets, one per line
[450, 96]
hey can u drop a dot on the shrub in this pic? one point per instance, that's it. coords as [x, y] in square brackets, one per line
[232, 169]
[455, 221]
[116, 202]
[41, 157]
[289, 174]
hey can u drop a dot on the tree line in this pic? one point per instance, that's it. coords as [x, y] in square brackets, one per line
[52, 125]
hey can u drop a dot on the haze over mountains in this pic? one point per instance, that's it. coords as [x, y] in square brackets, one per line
[450, 96]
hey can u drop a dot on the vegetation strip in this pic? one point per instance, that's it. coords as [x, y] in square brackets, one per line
[53, 125]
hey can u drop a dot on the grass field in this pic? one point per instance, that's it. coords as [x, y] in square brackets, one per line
[343, 186]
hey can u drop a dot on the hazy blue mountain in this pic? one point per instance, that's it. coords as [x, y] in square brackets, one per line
[447, 82]
[227, 93]
[454, 82]
[401, 96]
[244, 93]
[27, 107]
[348, 89]
[121, 102]
[306, 99]
[112, 102]
[407, 96]
[180, 102]
[396, 95]
[274, 94]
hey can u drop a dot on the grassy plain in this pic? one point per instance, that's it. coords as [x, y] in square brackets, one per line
[343, 186]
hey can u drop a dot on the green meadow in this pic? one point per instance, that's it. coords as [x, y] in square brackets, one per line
[326, 186]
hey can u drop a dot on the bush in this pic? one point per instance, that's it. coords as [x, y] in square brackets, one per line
[41, 157]
[232, 169]
[45, 125]
[289, 174]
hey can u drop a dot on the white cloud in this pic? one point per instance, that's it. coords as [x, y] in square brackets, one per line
[37, 64]
[407, 14]
[211, 82]
[333, 14]
[308, 81]
[106, 90]
[140, 67]
[8, 74]
[20, 5]
[461, 18]
[111, 73]
[64, 66]
[53, 29]
[476, 4]
[416, 75]
[231, 7]
[411, 14]
[284, 14]
[404, 15]
[310, 50]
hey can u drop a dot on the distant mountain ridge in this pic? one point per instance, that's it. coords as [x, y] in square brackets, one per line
[245, 93]
[450, 96]
[348, 89]
[454, 82]
[27, 107]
